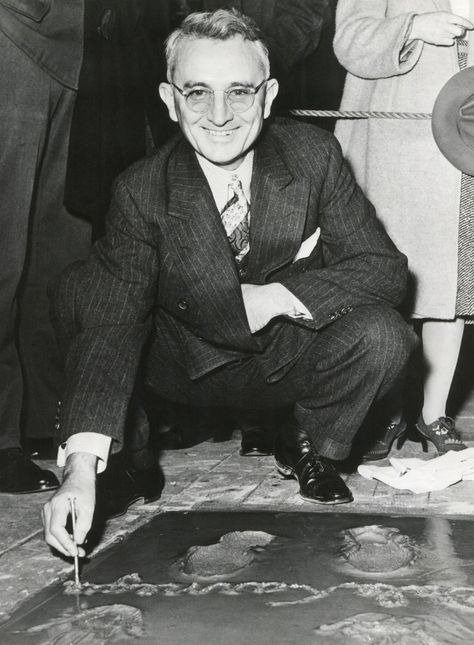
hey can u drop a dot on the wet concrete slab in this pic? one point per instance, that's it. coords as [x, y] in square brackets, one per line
[194, 481]
[208, 578]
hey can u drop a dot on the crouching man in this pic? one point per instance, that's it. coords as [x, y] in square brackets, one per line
[248, 263]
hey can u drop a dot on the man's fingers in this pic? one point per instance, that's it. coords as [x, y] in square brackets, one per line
[456, 31]
[462, 22]
[83, 523]
[54, 520]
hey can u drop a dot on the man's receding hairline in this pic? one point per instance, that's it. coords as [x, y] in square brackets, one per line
[221, 25]
[257, 46]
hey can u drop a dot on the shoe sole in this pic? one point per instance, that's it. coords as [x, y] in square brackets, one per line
[134, 500]
[289, 473]
[254, 453]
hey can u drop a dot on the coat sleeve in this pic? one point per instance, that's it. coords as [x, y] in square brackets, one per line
[371, 45]
[109, 299]
[360, 265]
[296, 31]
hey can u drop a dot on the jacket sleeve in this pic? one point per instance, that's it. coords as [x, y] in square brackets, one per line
[371, 45]
[296, 32]
[110, 299]
[360, 265]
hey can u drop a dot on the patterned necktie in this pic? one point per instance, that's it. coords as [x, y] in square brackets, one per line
[235, 217]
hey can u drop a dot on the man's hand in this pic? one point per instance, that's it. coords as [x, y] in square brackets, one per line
[266, 301]
[439, 28]
[79, 483]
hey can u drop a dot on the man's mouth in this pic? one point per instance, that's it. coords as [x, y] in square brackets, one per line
[220, 134]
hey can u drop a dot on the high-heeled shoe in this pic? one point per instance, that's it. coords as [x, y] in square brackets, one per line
[442, 434]
[381, 447]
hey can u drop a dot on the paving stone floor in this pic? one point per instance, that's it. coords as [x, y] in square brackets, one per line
[213, 476]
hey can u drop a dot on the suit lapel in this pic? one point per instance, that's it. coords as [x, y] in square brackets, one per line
[278, 212]
[200, 247]
[199, 229]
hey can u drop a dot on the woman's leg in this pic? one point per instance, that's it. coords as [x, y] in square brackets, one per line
[441, 344]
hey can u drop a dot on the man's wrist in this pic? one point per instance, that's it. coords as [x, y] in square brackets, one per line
[82, 465]
[93, 443]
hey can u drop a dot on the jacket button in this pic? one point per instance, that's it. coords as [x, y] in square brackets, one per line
[183, 305]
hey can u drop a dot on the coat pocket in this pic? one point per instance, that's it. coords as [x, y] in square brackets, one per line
[33, 9]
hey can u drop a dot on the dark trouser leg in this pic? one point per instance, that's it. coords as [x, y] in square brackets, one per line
[23, 122]
[371, 347]
[345, 368]
[36, 241]
[56, 239]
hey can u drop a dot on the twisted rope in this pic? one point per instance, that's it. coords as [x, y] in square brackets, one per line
[346, 114]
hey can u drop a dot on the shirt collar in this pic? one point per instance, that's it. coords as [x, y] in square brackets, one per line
[220, 178]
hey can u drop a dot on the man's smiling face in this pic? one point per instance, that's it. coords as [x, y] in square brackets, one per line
[219, 134]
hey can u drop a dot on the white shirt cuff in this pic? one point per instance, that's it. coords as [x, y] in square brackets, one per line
[92, 442]
[300, 311]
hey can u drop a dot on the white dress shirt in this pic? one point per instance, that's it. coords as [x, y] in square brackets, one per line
[219, 179]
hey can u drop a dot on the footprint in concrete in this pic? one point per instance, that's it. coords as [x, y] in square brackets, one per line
[385, 629]
[377, 549]
[231, 554]
[96, 626]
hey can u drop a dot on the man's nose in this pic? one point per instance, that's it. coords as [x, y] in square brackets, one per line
[219, 112]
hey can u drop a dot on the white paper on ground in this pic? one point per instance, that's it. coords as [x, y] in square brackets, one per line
[422, 476]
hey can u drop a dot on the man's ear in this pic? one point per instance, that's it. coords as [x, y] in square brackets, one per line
[271, 90]
[167, 96]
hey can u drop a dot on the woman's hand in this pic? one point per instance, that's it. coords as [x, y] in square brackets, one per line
[439, 28]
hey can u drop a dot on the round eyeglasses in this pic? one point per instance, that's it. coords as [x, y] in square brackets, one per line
[238, 98]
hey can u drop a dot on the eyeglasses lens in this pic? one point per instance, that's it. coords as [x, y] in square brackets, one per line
[239, 99]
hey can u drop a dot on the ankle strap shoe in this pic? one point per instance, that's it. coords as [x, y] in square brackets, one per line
[442, 434]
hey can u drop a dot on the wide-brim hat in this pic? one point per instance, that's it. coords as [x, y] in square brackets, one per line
[453, 120]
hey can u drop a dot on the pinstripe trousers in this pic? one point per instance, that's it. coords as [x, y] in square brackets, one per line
[347, 366]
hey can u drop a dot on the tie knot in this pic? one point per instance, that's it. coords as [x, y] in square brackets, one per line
[236, 192]
[235, 183]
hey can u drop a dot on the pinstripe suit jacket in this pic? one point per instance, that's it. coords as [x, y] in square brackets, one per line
[165, 271]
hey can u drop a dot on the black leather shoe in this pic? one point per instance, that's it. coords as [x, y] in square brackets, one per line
[255, 442]
[318, 479]
[40, 448]
[119, 486]
[18, 474]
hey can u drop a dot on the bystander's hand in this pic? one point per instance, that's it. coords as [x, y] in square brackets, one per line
[78, 483]
[439, 28]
